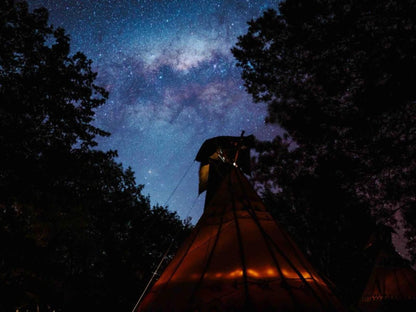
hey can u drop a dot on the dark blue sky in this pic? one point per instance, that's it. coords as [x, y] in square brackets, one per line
[172, 80]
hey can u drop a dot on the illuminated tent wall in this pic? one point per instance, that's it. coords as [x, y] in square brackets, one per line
[237, 258]
[392, 283]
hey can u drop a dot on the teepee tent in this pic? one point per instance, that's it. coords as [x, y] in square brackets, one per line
[237, 258]
[392, 283]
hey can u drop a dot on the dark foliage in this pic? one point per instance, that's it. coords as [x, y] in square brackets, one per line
[339, 77]
[76, 233]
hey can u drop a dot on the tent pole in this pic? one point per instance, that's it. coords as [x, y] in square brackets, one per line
[153, 276]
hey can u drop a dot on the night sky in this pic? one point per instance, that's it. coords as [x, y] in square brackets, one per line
[172, 80]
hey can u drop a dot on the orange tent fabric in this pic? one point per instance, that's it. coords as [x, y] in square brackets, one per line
[392, 283]
[238, 259]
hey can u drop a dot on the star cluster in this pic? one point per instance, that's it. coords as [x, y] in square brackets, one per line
[172, 80]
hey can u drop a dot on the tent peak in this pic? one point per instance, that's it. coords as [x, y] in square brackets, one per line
[222, 152]
[232, 149]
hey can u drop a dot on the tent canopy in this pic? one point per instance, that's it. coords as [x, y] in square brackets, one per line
[237, 258]
[392, 283]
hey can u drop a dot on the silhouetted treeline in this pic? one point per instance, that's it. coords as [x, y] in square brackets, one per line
[339, 77]
[76, 232]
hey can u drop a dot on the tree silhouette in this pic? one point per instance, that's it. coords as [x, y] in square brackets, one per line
[339, 77]
[48, 97]
[76, 232]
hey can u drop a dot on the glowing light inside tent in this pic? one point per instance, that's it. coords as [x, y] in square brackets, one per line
[253, 273]
[266, 273]
[271, 272]
[236, 273]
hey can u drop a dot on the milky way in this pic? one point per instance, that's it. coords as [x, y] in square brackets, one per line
[172, 80]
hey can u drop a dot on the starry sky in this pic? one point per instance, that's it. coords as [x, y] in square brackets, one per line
[173, 83]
